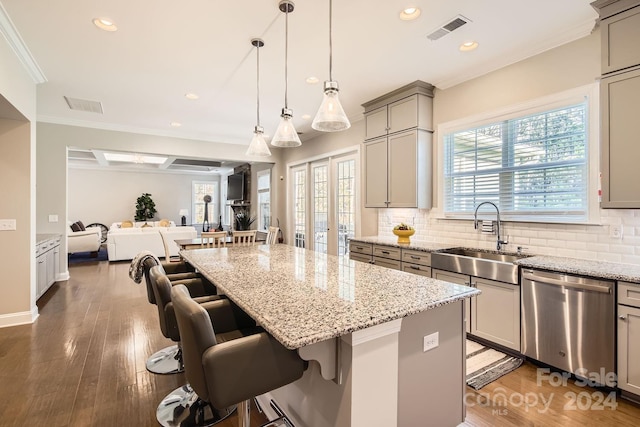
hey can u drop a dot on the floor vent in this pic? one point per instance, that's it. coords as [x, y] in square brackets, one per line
[450, 26]
[84, 105]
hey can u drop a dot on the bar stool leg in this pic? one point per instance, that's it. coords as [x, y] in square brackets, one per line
[244, 413]
[166, 361]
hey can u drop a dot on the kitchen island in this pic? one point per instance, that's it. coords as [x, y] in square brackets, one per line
[363, 327]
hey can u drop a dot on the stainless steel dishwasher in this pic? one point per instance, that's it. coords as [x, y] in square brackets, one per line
[568, 321]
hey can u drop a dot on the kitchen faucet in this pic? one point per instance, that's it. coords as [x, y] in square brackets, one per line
[500, 242]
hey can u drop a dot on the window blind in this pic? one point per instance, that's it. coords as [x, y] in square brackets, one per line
[535, 165]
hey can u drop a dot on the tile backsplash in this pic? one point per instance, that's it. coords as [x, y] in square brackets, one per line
[593, 242]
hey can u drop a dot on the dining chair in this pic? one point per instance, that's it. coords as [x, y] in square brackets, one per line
[244, 237]
[272, 235]
[213, 239]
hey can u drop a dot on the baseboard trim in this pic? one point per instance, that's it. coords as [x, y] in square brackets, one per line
[19, 318]
[63, 276]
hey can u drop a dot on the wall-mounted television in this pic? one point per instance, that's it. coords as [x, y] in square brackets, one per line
[235, 186]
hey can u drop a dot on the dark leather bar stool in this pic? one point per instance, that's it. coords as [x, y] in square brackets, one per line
[166, 360]
[180, 402]
[229, 360]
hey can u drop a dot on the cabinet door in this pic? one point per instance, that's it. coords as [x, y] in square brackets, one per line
[56, 262]
[376, 123]
[403, 114]
[41, 275]
[403, 176]
[620, 35]
[460, 279]
[375, 153]
[629, 349]
[50, 262]
[620, 99]
[496, 313]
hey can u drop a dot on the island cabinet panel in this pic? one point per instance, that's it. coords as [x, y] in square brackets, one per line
[496, 313]
[620, 97]
[629, 337]
[460, 279]
[620, 34]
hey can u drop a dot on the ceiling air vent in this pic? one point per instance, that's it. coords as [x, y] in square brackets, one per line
[84, 105]
[450, 26]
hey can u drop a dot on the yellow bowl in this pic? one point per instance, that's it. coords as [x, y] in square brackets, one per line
[403, 235]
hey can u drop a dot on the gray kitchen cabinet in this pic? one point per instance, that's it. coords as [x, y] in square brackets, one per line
[387, 256]
[416, 262]
[629, 337]
[411, 112]
[620, 33]
[460, 279]
[398, 170]
[495, 313]
[620, 102]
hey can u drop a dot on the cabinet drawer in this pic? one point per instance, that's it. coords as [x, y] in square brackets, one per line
[359, 257]
[629, 294]
[417, 269]
[387, 252]
[361, 248]
[388, 263]
[416, 257]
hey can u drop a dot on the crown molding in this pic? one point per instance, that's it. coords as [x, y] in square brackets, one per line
[581, 30]
[19, 47]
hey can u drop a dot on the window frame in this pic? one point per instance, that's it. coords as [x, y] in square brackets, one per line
[215, 201]
[590, 93]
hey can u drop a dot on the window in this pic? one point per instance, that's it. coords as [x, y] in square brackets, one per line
[200, 189]
[533, 166]
[300, 206]
[264, 199]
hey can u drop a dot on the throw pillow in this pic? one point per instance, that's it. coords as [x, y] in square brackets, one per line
[75, 227]
[81, 225]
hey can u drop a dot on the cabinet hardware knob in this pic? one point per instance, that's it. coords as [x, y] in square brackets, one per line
[623, 317]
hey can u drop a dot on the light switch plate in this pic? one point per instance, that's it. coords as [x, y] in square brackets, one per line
[7, 224]
[53, 218]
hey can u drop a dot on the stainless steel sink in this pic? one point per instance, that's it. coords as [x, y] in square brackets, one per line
[485, 264]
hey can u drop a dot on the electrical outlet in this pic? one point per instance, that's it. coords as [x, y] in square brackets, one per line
[615, 231]
[7, 224]
[430, 342]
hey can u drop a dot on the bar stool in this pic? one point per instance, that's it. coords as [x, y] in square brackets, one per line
[244, 237]
[166, 361]
[227, 361]
[216, 239]
[174, 407]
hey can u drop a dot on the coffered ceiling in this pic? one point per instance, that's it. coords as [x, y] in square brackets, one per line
[164, 49]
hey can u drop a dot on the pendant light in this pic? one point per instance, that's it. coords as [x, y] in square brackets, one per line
[286, 135]
[330, 116]
[258, 146]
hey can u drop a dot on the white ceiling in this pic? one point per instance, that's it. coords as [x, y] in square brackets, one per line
[166, 48]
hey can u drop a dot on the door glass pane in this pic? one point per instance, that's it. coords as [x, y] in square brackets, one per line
[320, 207]
[299, 195]
[346, 200]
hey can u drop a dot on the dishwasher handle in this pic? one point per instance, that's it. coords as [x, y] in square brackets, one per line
[530, 275]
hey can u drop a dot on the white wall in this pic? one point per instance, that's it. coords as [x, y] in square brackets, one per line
[107, 196]
[569, 66]
[17, 192]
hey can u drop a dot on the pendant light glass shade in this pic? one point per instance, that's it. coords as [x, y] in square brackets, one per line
[330, 116]
[286, 135]
[258, 146]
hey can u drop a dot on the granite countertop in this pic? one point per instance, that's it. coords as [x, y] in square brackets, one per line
[393, 241]
[40, 238]
[583, 267]
[302, 297]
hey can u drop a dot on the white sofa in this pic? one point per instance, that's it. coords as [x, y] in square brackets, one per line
[126, 243]
[84, 241]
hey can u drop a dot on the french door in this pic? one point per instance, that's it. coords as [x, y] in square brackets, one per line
[325, 204]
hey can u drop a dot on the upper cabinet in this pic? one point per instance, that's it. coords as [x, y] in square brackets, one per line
[620, 100]
[398, 148]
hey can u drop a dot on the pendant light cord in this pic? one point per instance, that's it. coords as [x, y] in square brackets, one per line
[258, 85]
[286, 54]
[330, 41]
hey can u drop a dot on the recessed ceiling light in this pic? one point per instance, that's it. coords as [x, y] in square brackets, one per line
[191, 96]
[410, 13]
[306, 116]
[468, 46]
[176, 124]
[105, 24]
[312, 80]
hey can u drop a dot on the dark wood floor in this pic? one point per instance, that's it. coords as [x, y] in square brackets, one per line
[82, 363]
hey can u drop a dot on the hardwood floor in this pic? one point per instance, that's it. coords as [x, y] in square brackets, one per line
[82, 363]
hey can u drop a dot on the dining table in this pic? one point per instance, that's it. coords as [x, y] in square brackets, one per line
[363, 328]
